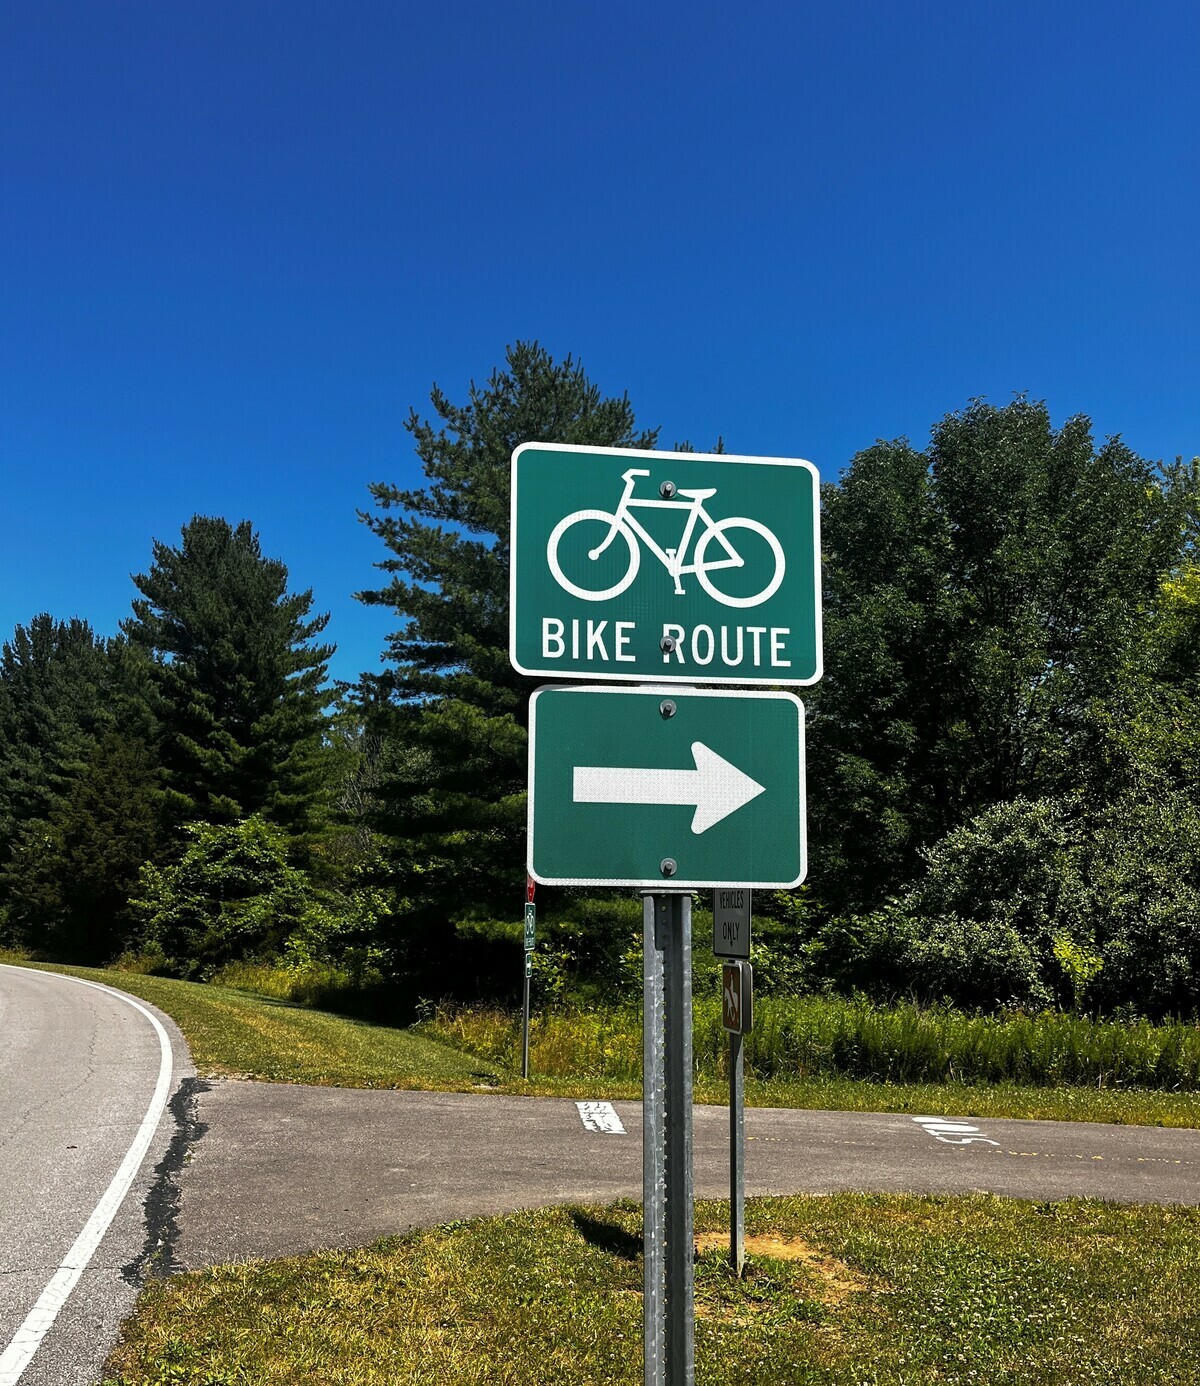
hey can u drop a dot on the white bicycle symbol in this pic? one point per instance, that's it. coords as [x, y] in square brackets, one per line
[626, 524]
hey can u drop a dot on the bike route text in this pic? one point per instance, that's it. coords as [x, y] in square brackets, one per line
[605, 642]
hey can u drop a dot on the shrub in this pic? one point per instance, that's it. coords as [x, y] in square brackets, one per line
[1033, 903]
[146, 962]
[598, 934]
[1143, 906]
[232, 896]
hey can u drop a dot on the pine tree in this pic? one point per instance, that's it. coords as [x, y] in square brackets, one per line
[452, 710]
[79, 787]
[238, 687]
[71, 875]
[55, 699]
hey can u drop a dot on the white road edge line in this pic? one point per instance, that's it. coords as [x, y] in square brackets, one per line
[19, 1353]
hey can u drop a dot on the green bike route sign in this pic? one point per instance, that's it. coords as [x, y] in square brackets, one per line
[664, 566]
[662, 786]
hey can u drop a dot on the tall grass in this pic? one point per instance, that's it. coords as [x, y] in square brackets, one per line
[794, 1038]
[819, 1036]
[569, 1043]
[318, 986]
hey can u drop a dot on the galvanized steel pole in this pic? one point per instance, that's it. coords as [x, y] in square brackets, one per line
[654, 1230]
[681, 1370]
[525, 1024]
[667, 1177]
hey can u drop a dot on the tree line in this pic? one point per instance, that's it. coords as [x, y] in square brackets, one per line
[1003, 804]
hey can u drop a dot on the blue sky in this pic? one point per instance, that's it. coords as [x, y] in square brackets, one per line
[240, 239]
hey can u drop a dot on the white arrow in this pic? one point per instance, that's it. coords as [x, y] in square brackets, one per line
[715, 787]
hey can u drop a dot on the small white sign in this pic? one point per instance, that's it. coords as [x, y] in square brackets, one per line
[600, 1117]
[731, 921]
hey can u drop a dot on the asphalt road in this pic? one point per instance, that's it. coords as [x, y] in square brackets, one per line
[283, 1169]
[81, 1079]
[232, 1170]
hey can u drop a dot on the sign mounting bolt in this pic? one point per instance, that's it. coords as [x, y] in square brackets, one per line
[667, 707]
[667, 644]
[667, 490]
[668, 866]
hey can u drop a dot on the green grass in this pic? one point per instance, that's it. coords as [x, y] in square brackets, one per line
[238, 1035]
[234, 1033]
[1121, 1107]
[797, 1038]
[822, 1052]
[847, 1289]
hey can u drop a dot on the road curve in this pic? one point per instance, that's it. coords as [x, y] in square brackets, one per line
[287, 1169]
[283, 1169]
[93, 1118]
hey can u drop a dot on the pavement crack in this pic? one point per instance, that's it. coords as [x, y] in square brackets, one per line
[56, 1098]
[157, 1256]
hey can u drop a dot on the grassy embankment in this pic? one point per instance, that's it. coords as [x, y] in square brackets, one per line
[805, 1052]
[876, 1289]
[234, 1034]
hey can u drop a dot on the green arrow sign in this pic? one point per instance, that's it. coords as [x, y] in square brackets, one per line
[664, 566]
[646, 787]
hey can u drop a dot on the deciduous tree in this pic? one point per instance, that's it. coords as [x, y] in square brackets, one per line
[983, 599]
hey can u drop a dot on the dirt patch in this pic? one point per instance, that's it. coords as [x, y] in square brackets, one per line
[837, 1280]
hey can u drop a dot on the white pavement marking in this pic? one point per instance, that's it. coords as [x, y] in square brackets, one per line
[596, 1116]
[19, 1353]
[948, 1132]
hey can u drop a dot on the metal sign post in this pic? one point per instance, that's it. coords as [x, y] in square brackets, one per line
[530, 939]
[667, 569]
[737, 1156]
[525, 1019]
[737, 991]
[667, 1183]
[731, 939]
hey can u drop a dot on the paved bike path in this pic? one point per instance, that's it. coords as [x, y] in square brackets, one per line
[284, 1169]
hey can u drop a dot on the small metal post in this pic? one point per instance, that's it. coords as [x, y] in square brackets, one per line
[737, 1156]
[530, 940]
[525, 1022]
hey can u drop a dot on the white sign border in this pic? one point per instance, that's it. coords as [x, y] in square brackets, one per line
[663, 883]
[689, 678]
